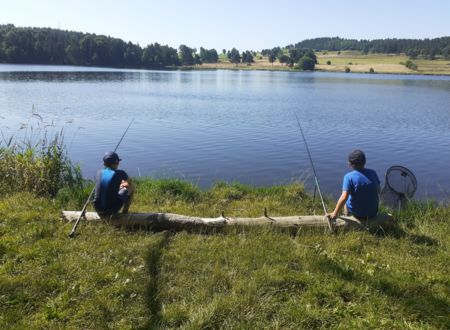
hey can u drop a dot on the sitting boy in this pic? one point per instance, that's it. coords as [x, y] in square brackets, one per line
[113, 187]
[360, 190]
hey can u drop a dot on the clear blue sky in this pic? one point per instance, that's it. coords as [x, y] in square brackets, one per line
[242, 24]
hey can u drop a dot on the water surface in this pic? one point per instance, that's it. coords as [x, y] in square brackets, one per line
[206, 126]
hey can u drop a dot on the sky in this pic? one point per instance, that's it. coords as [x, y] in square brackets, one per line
[246, 25]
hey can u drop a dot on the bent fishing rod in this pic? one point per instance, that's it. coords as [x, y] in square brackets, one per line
[83, 211]
[330, 226]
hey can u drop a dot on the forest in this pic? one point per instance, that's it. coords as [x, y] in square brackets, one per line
[31, 45]
[426, 48]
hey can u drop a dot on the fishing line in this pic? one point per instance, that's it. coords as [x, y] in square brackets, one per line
[83, 211]
[314, 171]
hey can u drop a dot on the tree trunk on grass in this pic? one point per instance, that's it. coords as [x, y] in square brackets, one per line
[170, 221]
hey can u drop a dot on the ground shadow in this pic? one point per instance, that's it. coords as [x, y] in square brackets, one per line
[153, 264]
[395, 231]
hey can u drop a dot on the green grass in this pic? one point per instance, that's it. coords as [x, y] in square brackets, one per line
[381, 63]
[239, 278]
[361, 63]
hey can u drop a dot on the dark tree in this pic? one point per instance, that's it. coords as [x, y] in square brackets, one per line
[186, 55]
[272, 57]
[208, 56]
[247, 57]
[283, 58]
[234, 56]
[197, 60]
[306, 63]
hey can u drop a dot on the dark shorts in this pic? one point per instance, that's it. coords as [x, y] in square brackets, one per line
[109, 212]
[350, 214]
[363, 218]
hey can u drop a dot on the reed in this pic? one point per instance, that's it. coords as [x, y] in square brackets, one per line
[36, 161]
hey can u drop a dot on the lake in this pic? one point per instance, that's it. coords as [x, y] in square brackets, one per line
[206, 126]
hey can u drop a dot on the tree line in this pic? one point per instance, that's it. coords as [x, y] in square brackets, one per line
[53, 46]
[301, 58]
[58, 47]
[426, 48]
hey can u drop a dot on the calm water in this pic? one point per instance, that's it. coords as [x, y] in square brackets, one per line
[205, 126]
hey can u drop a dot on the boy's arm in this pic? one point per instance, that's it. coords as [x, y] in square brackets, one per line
[340, 203]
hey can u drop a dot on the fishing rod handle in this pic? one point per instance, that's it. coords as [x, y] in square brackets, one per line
[83, 212]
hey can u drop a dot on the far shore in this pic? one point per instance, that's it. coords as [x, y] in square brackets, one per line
[346, 61]
[354, 61]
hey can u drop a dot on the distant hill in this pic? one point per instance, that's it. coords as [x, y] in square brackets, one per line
[428, 48]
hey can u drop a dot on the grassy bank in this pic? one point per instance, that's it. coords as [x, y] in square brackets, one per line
[355, 61]
[242, 278]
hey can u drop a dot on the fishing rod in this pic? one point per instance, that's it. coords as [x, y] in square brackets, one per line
[330, 226]
[83, 210]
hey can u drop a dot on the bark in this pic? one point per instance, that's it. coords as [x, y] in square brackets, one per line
[170, 221]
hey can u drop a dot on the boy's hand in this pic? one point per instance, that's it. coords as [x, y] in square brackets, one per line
[332, 215]
[124, 184]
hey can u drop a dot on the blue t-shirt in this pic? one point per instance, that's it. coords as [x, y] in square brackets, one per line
[106, 198]
[362, 185]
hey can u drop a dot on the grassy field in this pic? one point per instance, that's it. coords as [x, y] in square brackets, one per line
[380, 63]
[241, 278]
[355, 61]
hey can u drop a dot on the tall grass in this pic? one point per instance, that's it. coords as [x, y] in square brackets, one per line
[36, 162]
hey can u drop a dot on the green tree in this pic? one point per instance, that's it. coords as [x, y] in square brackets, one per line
[306, 63]
[208, 55]
[446, 52]
[272, 57]
[412, 53]
[410, 65]
[283, 58]
[197, 60]
[234, 56]
[132, 55]
[186, 55]
[247, 57]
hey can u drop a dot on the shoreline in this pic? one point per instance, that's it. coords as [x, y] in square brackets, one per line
[382, 64]
[199, 68]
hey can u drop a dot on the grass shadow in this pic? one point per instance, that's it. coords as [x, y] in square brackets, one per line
[153, 264]
[395, 231]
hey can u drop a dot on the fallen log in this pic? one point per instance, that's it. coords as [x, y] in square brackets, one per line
[171, 221]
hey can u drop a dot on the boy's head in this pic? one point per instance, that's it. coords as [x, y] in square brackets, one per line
[111, 159]
[357, 159]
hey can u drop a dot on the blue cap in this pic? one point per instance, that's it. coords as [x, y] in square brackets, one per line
[111, 158]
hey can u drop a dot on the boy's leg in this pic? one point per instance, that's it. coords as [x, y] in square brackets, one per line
[346, 212]
[127, 203]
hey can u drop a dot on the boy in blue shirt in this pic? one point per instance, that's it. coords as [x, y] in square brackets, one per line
[360, 189]
[113, 188]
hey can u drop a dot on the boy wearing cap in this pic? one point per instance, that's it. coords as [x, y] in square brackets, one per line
[360, 189]
[113, 187]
